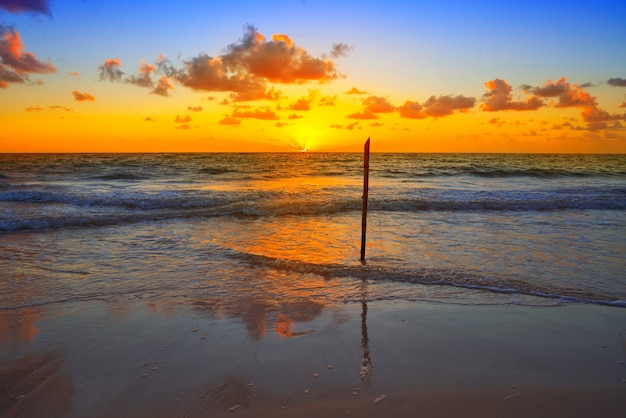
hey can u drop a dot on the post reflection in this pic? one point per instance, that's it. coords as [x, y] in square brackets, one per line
[366, 362]
[16, 329]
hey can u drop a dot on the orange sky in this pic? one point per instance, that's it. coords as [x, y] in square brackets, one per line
[286, 83]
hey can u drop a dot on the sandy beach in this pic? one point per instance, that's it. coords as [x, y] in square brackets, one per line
[385, 358]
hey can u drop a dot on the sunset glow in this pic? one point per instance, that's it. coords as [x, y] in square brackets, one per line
[312, 75]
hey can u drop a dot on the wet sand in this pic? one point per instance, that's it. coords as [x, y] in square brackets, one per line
[385, 358]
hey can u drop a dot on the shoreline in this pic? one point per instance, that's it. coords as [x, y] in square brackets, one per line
[156, 358]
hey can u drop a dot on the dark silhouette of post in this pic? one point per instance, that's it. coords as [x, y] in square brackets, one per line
[366, 362]
[366, 174]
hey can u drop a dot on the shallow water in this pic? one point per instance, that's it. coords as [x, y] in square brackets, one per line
[273, 229]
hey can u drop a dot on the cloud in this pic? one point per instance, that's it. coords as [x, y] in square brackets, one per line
[294, 116]
[340, 50]
[15, 64]
[594, 114]
[436, 107]
[149, 119]
[186, 119]
[373, 105]
[184, 126]
[60, 108]
[365, 114]
[229, 120]
[144, 78]
[34, 109]
[623, 104]
[572, 95]
[110, 71]
[352, 126]
[264, 114]
[619, 82]
[248, 65]
[194, 108]
[377, 104]
[305, 103]
[354, 90]
[328, 100]
[74, 74]
[498, 97]
[411, 110]
[17, 6]
[162, 87]
[496, 121]
[83, 97]
[302, 103]
[569, 95]
[447, 105]
[245, 70]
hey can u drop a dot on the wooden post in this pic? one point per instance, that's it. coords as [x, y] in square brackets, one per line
[366, 174]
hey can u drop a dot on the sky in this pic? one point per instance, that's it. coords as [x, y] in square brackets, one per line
[250, 76]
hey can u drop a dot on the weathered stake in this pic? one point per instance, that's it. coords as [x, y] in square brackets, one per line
[366, 174]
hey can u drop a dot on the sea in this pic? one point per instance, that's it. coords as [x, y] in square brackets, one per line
[277, 230]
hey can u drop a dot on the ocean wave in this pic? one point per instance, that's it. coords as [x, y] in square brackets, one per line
[121, 175]
[433, 277]
[417, 171]
[57, 208]
[217, 170]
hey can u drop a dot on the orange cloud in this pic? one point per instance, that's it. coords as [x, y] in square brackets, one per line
[365, 114]
[144, 78]
[301, 104]
[265, 114]
[34, 109]
[498, 97]
[15, 64]
[595, 114]
[572, 95]
[282, 38]
[229, 120]
[305, 103]
[194, 108]
[446, 105]
[163, 87]
[411, 110]
[328, 100]
[569, 95]
[60, 108]
[83, 97]
[245, 70]
[372, 106]
[294, 116]
[354, 90]
[74, 74]
[496, 121]
[377, 104]
[110, 71]
[182, 120]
